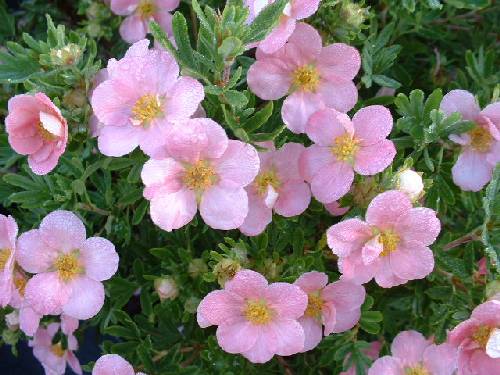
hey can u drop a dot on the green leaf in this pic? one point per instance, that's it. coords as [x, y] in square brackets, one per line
[236, 99]
[385, 81]
[491, 204]
[264, 22]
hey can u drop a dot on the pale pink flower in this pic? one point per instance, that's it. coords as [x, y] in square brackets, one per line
[254, 318]
[53, 356]
[343, 147]
[113, 364]
[413, 354]
[36, 128]
[141, 99]
[94, 124]
[337, 306]
[69, 267]
[480, 146]
[139, 13]
[391, 246]
[477, 341]
[204, 169]
[311, 75]
[295, 10]
[371, 352]
[335, 209]
[8, 235]
[278, 186]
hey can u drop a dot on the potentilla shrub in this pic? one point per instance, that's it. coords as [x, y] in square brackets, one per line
[251, 187]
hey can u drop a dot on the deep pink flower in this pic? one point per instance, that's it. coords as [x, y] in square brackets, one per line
[204, 169]
[141, 99]
[8, 235]
[295, 10]
[69, 267]
[413, 354]
[140, 13]
[311, 75]
[343, 147]
[36, 128]
[53, 356]
[477, 341]
[278, 186]
[113, 364]
[337, 306]
[392, 245]
[480, 146]
[255, 319]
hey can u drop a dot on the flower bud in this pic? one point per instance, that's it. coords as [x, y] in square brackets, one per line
[68, 55]
[12, 320]
[410, 182]
[225, 270]
[166, 288]
[354, 14]
[197, 267]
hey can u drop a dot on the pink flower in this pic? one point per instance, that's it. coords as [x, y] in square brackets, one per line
[313, 75]
[343, 147]
[295, 10]
[392, 245]
[140, 13]
[335, 209]
[36, 128]
[53, 356]
[413, 354]
[142, 97]
[278, 187]
[8, 234]
[255, 319]
[337, 306]
[94, 124]
[477, 341]
[480, 146]
[204, 169]
[69, 268]
[113, 364]
[371, 352]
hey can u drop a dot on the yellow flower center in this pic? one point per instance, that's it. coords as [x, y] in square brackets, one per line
[257, 312]
[4, 258]
[146, 109]
[481, 139]
[389, 241]
[481, 335]
[68, 266]
[45, 134]
[20, 283]
[306, 78]
[57, 350]
[146, 8]
[345, 147]
[417, 370]
[263, 180]
[314, 305]
[200, 176]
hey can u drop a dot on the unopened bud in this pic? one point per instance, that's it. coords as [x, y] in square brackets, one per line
[225, 270]
[68, 55]
[12, 320]
[410, 182]
[197, 267]
[166, 288]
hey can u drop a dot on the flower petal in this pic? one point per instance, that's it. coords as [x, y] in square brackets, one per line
[372, 159]
[32, 254]
[298, 108]
[372, 124]
[345, 295]
[46, 293]
[339, 62]
[419, 224]
[174, 210]
[133, 28]
[287, 300]
[269, 79]
[99, 258]
[237, 337]
[387, 207]
[247, 284]
[313, 332]
[325, 125]
[471, 172]
[386, 366]
[348, 236]
[293, 199]
[63, 230]
[333, 182]
[223, 208]
[341, 96]
[312, 281]
[86, 300]
[112, 364]
[409, 347]
[412, 260]
[258, 217]
[220, 307]
[460, 101]
[238, 166]
[183, 99]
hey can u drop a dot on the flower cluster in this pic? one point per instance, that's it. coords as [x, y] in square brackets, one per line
[54, 270]
[259, 320]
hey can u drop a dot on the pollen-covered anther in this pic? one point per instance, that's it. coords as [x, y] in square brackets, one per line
[314, 305]
[265, 179]
[481, 139]
[200, 176]
[417, 370]
[345, 147]
[68, 266]
[146, 109]
[306, 78]
[4, 258]
[45, 134]
[257, 312]
[389, 240]
[57, 350]
[481, 335]
[146, 8]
